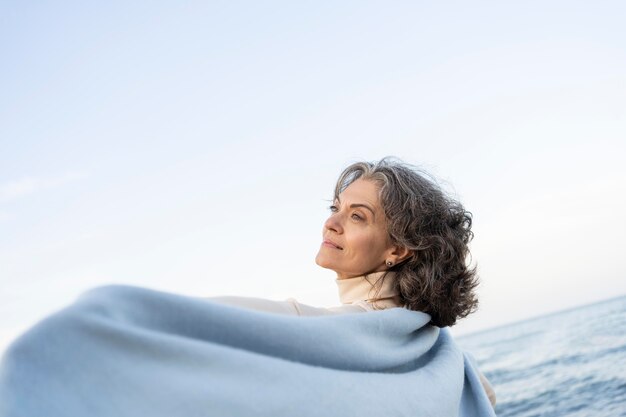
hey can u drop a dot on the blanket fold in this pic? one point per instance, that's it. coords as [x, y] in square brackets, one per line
[128, 351]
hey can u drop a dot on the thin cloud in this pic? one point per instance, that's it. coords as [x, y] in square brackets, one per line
[22, 187]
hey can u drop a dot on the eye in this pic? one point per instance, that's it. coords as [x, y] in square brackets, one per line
[356, 217]
[333, 209]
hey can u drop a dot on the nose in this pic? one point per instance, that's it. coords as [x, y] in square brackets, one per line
[333, 223]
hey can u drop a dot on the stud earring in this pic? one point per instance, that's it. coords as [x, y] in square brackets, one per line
[389, 263]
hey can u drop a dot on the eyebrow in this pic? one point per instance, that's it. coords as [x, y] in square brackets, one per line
[357, 205]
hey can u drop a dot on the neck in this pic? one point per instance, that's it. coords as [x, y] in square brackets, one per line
[341, 276]
[366, 287]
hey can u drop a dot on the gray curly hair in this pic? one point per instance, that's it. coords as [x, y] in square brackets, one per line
[436, 278]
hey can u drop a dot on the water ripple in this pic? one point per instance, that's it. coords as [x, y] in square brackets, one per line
[570, 364]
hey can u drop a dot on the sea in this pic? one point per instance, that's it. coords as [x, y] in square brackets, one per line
[566, 364]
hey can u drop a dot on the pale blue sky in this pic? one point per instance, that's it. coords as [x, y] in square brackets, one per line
[190, 146]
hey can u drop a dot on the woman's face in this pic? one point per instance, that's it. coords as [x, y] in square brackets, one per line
[355, 238]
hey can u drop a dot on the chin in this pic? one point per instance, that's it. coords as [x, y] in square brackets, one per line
[324, 263]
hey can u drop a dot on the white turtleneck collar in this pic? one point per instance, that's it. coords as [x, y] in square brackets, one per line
[362, 288]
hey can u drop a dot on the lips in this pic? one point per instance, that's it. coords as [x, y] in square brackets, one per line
[330, 243]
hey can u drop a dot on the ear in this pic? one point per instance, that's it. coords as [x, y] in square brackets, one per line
[398, 254]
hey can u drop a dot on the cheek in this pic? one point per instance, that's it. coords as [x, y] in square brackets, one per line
[368, 243]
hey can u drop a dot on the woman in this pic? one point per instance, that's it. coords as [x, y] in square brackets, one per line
[394, 240]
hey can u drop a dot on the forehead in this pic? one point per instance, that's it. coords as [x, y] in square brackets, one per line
[362, 191]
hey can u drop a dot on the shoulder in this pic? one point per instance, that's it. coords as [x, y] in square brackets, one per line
[290, 306]
[308, 310]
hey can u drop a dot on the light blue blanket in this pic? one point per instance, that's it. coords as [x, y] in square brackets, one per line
[124, 351]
